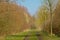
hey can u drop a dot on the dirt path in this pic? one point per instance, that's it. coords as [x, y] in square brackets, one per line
[26, 37]
[38, 35]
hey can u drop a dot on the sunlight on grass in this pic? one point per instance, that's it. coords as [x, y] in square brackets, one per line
[22, 36]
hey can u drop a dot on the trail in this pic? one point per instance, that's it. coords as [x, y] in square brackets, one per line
[37, 34]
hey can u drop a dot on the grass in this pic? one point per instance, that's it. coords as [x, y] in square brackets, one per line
[21, 36]
[49, 37]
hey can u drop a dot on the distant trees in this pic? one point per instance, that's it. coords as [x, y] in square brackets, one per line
[42, 16]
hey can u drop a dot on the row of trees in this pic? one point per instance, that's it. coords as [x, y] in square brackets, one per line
[47, 16]
[13, 18]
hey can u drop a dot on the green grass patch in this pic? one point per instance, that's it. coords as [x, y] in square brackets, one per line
[22, 36]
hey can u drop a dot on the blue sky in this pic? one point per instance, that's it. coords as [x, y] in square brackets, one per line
[31, 5]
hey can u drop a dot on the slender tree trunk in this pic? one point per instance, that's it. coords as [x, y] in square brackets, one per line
[50, 6]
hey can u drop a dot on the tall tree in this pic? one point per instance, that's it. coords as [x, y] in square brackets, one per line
[50, 5]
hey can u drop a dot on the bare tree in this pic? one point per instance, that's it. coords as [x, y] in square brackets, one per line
[50, 6]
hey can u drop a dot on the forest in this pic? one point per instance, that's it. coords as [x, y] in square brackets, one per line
[16, 23]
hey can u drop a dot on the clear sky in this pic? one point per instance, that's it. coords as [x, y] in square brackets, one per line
[31, 5]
